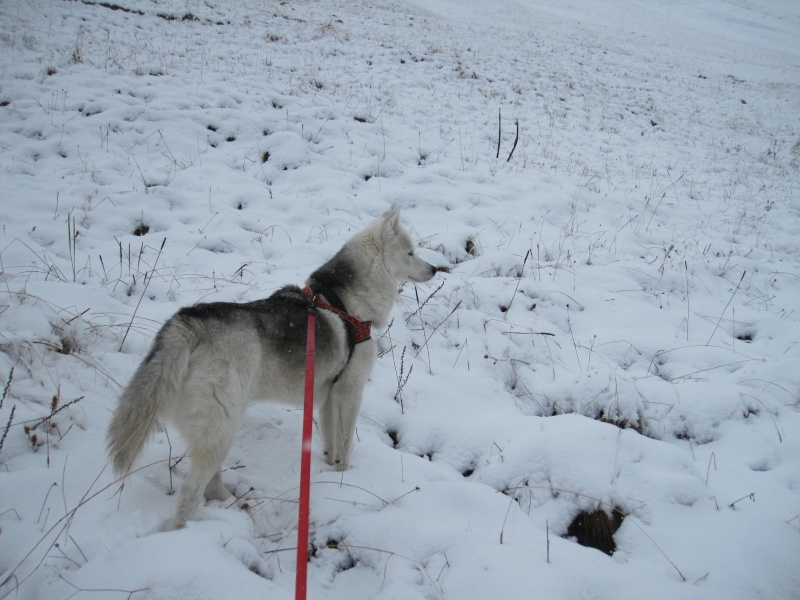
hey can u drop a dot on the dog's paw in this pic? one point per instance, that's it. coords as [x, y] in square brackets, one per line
[216, 490]
[168, 525]
[336, 463]
[220, 494]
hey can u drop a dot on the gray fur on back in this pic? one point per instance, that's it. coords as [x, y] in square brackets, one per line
[280, 321]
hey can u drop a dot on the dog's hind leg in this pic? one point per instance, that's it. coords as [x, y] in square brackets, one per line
[209, 431]
[215, 490]
[201, 471]
[204, 476]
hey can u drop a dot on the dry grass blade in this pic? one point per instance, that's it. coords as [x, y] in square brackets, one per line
[144, 291]
[736, 289]
[13, 408]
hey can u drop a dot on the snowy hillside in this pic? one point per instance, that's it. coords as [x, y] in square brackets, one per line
[615, 188]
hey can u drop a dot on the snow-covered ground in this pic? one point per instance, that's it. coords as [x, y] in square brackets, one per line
[619, 330]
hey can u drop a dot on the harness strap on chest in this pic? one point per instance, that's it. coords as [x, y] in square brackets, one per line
[357, 331]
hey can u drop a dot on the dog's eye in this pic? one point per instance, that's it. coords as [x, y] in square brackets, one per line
[411, 253]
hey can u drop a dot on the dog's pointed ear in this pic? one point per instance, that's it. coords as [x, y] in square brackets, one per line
[391, 217]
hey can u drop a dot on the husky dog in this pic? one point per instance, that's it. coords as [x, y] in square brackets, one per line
[209, 361]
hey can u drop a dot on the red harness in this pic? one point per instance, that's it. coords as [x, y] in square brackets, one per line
[362, 329]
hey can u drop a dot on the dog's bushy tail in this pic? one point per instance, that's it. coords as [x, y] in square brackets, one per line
[151, 390]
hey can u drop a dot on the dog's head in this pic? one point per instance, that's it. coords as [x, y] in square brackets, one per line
[398, 250]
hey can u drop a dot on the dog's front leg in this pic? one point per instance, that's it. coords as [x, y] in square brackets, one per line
[326, 422]
[340, 411]
[345, 413]
[338, 422]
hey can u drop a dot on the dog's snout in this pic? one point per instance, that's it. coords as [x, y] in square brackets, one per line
[427, 272]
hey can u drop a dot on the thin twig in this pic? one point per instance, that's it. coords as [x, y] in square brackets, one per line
[522, 271]
[42, 420]
[516, 139]
[574, 344]
[144, 291]
[499, 131]
[751, 496]
[401, 383]
[7, 386]
[774, 422]
[424, 302]
[711, 460]
[8, 426]
[13, 408]
[726, 307]
[688, 304]
[443, 321]
[508, 510]
[547, 526]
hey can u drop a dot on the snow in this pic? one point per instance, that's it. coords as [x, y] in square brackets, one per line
[619, 326]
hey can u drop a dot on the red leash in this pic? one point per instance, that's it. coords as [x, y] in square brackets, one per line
[301, 580]
[361, 333]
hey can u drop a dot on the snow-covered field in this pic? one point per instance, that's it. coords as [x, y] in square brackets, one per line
[620, 329]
